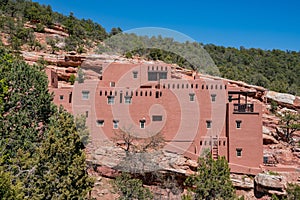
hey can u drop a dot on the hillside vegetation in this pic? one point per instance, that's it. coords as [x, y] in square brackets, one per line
[273, 69]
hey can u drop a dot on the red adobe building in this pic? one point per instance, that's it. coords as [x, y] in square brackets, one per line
[192, 113]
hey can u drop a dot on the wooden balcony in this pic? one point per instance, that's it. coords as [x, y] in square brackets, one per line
[243, 108]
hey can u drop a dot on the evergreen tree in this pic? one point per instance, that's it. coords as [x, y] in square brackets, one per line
[212, 180]
[131, 188]
[61, 168]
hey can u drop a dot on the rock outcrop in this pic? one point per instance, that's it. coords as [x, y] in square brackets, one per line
[115, 158]
[270, 184]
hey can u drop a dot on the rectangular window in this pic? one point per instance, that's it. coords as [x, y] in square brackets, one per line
[152, 76]
[61, 97]
[135, 74]
[156, 118]
[162, 75]
[115, 124]
[213, 97]
[238, 152]
[192, 97]
[110, 100]
[208, 123]
[128, 99]
[100, 122]
[238, 123]
[86, 114]
[85, 95]
[142, 123]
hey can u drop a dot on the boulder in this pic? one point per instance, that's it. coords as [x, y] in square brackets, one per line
[284, 99]
[242, 181]
[270, 184]
[268, 139]
[266, 130]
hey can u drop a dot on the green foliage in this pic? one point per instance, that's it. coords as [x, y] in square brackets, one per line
[14, 13]
[52, 42]
[128, 54]
[115, 31]
[80, 49]
[290, 122]
[80, 76]
[72, 79]
[189, 54]
[131, 188]
[273, 69]
[293, 191]
[41, 154]
[61, 168]
[274, 106]
[212, 180]
[274, 197]
[8, 190]
[82, 129]
[273, 173]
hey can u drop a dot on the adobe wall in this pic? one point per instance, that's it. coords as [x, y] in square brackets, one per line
[247, 138]
[63, 96]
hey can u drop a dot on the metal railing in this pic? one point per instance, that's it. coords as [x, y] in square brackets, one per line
[243, 108]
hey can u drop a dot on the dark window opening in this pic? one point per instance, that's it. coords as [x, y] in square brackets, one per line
[192, 97]
[238, 123]
[156, 118]
[142, 123]
[213, 97]
[208, 123]
[156, 94]
[110, 100]
[70, 97]
[115, 124]
[100, 122]
[238, 152]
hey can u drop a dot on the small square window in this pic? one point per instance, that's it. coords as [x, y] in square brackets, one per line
[100, 122]
[110, 100]
[142, 123]
[115, 124]
[128, 99]
[213, 97]
[208, 123]
[238, 123]
[61, 97]
[112, 84]
[192, 97]
[85, 95]
[238, 152]
[135, 74]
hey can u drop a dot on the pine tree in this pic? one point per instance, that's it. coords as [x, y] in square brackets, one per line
[61, 169]
[212, 180]
[131, 188]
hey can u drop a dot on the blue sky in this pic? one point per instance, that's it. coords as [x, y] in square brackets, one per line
[261, 24]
